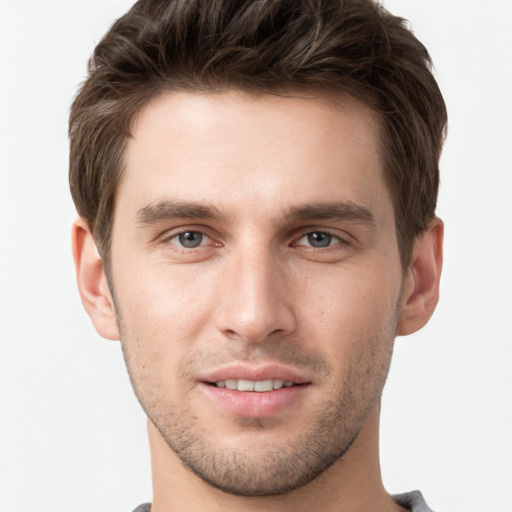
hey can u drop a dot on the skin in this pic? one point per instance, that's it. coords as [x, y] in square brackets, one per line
[294, 267]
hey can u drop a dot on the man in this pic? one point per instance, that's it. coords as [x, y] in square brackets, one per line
[256, 184]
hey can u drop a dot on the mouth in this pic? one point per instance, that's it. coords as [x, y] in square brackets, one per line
[258, 386]
[256, 392]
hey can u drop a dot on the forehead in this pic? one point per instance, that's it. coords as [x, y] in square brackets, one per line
[237, 149]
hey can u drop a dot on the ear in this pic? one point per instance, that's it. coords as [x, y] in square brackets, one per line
[92, 282]
[421, 286]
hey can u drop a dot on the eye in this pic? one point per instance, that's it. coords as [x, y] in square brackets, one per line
[319, 239]
[189, 239]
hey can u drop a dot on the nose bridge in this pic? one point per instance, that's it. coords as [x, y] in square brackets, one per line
[252, 297]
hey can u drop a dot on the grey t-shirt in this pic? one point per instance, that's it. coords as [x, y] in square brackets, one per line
[411, 500]
[143, 508]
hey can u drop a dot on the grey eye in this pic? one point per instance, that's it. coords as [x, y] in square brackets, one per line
[319, 239]
[190, 239]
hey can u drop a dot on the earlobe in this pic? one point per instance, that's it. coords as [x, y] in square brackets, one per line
[421, 287]
[92, 282]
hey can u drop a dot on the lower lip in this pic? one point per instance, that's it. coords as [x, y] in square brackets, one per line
[251, 404]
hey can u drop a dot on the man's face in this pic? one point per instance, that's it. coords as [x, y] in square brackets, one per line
[254, 248]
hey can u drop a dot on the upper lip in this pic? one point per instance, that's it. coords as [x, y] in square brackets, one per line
[255, 373]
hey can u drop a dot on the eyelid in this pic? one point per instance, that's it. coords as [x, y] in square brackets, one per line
[343, 239]
[168, 235]
[204, 239]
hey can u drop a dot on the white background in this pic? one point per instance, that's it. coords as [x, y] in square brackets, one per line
[72, 437]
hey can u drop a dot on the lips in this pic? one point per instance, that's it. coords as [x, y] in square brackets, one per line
[259, 386]
[255, 392]
[239, 372]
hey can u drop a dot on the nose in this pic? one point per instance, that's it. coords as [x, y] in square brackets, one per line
[255, 300]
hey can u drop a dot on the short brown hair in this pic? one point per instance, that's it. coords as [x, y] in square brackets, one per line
[337, 46]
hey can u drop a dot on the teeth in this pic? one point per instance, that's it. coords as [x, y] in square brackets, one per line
[259, 386]
[232, 384]
[264, 385]
[278, 384]
[245, 385]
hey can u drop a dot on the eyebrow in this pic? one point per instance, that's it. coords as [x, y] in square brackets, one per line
[342, 210]
[168, 210]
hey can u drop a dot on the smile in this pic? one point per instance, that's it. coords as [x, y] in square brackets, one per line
[256, 391]
[259, 386]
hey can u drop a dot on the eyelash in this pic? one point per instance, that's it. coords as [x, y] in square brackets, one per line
[169, 239]
[339, 241]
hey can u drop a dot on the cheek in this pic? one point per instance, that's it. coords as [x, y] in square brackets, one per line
[158, 294]
[353, 324]
[348, 307]
[160, 322]
[162, 316]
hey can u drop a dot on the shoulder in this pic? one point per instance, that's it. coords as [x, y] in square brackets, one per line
[146, 507]
[413, 501]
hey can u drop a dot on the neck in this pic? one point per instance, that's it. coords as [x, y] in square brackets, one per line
[353, 483]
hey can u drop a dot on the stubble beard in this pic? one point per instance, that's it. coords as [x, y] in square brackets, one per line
[331, 430]
[270, 469]
[262, 471]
